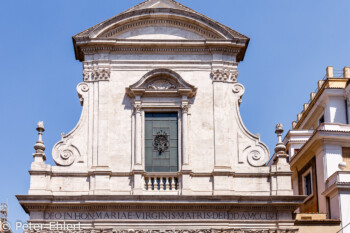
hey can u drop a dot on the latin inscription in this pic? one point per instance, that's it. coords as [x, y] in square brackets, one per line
[160, 215]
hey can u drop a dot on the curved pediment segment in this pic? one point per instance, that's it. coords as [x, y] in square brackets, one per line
[161, 82]
[162, 29]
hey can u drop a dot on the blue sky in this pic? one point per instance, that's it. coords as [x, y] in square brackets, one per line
[291, 44]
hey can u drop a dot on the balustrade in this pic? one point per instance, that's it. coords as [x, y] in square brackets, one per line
[161, 182]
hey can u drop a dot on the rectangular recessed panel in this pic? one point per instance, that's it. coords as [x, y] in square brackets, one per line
[161, 142]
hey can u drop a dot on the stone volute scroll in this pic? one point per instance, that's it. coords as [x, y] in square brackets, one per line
[255, 152]
[251, 151]
[67, 151]
[65, 154]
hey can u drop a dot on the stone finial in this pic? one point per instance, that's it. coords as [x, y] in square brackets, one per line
[39, 145]
[280, 147]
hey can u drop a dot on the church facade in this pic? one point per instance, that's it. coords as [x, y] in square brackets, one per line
[160, 145]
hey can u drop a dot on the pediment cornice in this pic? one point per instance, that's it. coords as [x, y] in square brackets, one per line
[227, 32]
[214, 33]
[161, 82]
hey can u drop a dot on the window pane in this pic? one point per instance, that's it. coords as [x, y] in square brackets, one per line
[307, 183]
[161, 142]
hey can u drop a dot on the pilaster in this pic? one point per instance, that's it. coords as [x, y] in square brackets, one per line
[138, 134]
[185, 138]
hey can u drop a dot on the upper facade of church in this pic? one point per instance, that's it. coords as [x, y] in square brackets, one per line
[160, 112]
[160, 141]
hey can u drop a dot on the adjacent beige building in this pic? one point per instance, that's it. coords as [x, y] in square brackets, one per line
[160, 145]
[319, 152]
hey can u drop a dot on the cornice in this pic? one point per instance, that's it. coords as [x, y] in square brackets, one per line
[137, 200]
[337, 186]
[168, 13]
[142, 46]
[184, 230]
[321, 135]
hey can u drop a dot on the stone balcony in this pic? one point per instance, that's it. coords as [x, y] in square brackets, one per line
[334, 127]
[338, 178]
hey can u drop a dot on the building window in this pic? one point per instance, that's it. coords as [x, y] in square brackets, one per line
[296, 151]
[346, 157]
[161, 142]
[321, 120]
[307, 182]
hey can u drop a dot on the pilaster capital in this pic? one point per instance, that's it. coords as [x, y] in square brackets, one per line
[137, 107]
[185, 108]
[224, 75]
[96, 73]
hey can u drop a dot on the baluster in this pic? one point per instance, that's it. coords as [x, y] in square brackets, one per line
[170, 183]
[176, 181]
[146, 182]
[158, 183]
[166, 179]
[152, 183]
[164, 183]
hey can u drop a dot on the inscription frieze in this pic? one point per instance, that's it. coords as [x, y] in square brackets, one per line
[161, 215]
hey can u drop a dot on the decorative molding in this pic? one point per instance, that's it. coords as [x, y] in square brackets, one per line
[224, 75]
[96, 74]
[155, 49]
[160, 22]
[161, 84]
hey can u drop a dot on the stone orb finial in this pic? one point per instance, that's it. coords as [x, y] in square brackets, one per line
[279, 128]
[40, 126]
[342, 166]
